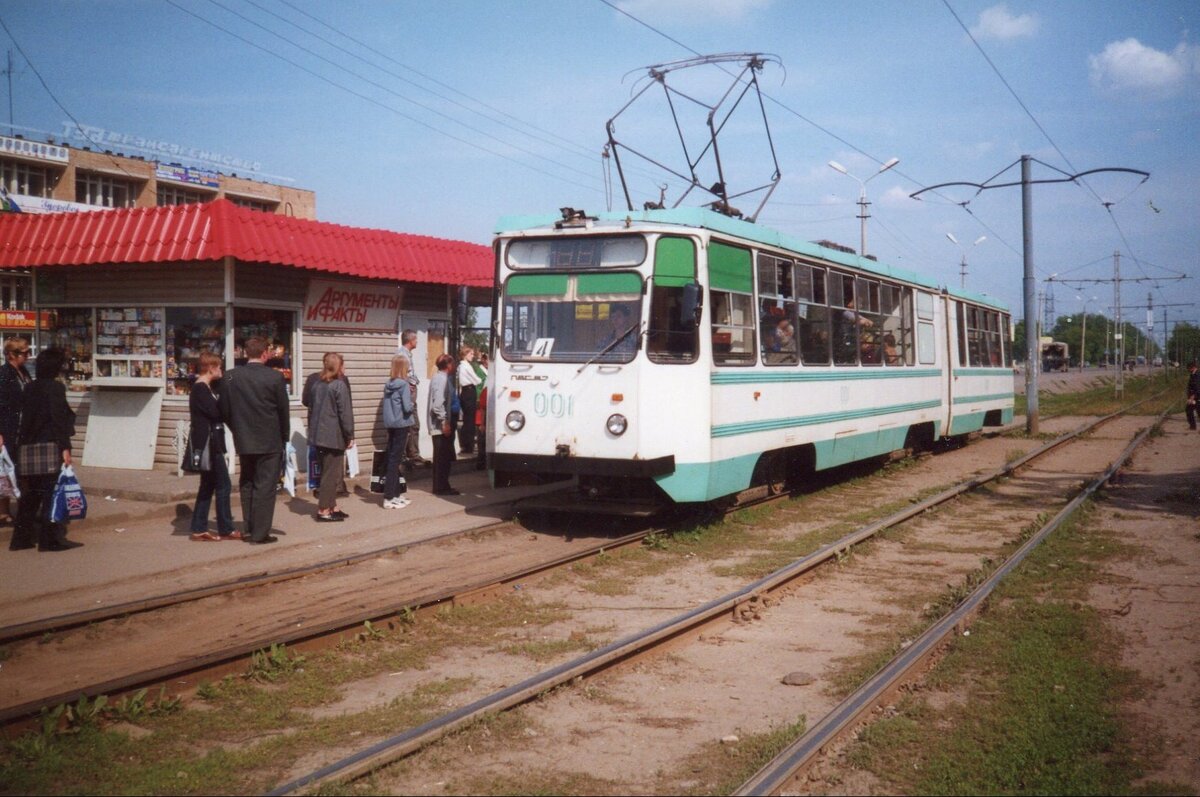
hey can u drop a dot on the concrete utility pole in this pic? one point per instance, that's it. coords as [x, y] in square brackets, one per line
[1029, 284]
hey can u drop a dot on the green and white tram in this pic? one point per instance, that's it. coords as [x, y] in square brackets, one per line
[685, 355]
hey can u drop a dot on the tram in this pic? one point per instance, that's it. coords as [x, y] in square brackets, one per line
[682, 355]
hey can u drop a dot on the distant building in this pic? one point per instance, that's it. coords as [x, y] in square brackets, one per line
[48, 177]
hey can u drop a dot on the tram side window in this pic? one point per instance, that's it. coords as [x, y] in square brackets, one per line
[731, 297]
[732, 328]
[962, 335]
[847, 319]
[813, 322]
[777, 311]
[906, 315]
[926, 339]
[892, 339]
[995, 351]
[1006, 333]
[870, 334]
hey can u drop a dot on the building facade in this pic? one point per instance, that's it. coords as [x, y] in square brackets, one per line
[134, 296]
[48, 177]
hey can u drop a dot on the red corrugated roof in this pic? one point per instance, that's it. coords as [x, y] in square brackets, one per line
[217, 229]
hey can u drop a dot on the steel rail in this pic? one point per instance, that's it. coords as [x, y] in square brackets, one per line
[215, 658]
[69, 620]
[776, 773]
[407, 742]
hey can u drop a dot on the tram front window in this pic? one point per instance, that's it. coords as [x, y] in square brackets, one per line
[570, 327]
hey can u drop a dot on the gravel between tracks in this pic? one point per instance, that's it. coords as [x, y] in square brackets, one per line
[648, 728]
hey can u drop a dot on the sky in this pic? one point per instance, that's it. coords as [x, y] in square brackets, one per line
[440, 118]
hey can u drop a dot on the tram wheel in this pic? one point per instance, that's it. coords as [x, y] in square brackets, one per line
[776, 472]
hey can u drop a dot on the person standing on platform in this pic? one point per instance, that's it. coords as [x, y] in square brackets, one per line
[441, 428]
[45, 418]
[14, 378]
[408, 342]
[468, 396]
[399, 413]
[1193, 394]
[207, 429]
[254, 404]
[331, 430]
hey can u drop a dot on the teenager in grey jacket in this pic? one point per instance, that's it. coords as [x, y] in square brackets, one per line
[331, 430]
[399, 417]
[440, 427]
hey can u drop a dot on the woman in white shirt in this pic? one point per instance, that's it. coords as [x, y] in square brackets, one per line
[468, 393]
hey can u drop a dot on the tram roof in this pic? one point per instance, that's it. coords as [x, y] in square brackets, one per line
[718, 222]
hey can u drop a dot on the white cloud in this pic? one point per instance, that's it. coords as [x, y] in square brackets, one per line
[694, 10]
[997, 23]
[1131, 67]
[896, 197]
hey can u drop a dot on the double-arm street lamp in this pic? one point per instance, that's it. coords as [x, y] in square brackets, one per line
[862, 197]
[961, 248]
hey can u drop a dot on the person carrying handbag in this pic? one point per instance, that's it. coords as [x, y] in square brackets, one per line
[47, 426]
[208, 430]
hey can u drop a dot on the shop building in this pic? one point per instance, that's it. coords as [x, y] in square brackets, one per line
[135, 295]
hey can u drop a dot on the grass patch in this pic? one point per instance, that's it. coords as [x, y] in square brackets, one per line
[1102, 399]
[718, 768]
[1030, 701]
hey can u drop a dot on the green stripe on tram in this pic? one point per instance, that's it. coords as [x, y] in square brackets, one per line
[775, 376]
[771, 424]
[537, 285]
[998, 370]
[624, 282]
[988, 397]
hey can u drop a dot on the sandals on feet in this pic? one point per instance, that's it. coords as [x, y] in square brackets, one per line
[205, 536]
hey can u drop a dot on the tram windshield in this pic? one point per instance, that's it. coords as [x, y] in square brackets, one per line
[572, 317]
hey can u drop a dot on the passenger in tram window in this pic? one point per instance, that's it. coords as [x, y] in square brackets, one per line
[781, 348]
[621, 337]
[891, 355]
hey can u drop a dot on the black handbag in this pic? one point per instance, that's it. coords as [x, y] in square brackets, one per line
[197, 459]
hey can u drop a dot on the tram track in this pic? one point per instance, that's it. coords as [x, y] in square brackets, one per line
[624, 650]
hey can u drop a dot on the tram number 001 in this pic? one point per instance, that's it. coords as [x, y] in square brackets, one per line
[556, 405]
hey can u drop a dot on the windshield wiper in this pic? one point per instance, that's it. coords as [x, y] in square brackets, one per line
[609, 347]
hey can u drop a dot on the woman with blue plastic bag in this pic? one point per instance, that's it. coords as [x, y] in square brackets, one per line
[14, 378]
[47, 426]
[207, 429]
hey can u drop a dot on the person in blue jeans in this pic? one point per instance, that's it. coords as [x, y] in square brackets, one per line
[206, 425]
[399, 416]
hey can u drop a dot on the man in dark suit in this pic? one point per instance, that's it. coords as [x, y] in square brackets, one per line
[254, 404]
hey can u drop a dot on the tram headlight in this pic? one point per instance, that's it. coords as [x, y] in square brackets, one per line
[616, 425]
[515, 421]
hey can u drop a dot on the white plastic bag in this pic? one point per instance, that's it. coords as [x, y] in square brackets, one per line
[352, 468]
[289, 470]
[8, 476]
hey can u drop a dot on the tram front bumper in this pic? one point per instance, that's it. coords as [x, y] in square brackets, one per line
[582, 466]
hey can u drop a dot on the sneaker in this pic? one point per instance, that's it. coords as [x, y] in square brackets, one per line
[391, 503]
[402, 502]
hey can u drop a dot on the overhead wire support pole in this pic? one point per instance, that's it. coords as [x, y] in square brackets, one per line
[1029, 282]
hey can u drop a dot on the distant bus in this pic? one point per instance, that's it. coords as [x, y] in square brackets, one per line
[1054, 356]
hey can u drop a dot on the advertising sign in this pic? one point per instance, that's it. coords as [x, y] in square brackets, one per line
[352, 306]
[33, 149]
[21, 319]
[186, 174]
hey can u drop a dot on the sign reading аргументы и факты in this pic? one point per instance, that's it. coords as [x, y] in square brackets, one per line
[352, 306]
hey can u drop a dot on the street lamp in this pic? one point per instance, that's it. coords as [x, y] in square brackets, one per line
[1083, 340]
[963, 268]
[862, 197]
